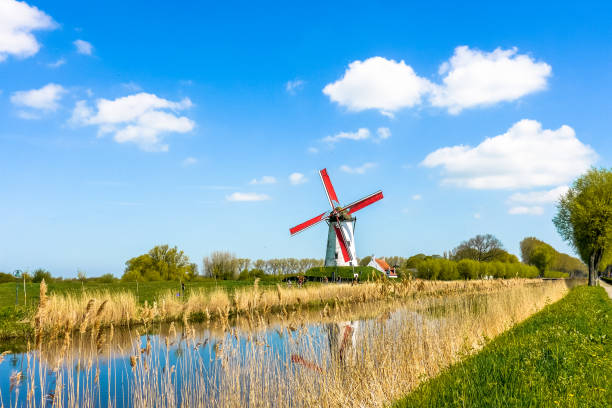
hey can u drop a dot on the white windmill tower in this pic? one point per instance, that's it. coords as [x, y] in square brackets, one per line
[340, 239]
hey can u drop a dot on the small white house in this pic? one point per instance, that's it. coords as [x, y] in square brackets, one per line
[383, 267]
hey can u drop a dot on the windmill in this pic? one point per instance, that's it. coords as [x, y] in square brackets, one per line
[340, 239]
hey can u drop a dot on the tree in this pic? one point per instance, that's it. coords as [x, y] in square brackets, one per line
[482, 248]
[365, 260]
[41, 274]
[160, 263]
[221, 265]
[532, 246]
[542, 258]
[584, 218]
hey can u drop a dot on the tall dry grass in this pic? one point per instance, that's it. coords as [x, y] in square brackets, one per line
[88, 310]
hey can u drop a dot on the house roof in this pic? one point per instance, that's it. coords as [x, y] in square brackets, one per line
[383, 264]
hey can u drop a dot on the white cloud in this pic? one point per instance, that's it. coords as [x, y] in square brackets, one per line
[360, 134]
[313, 150]
[57, 63]
[471, 78]
[526, 156]
[17, 21]
[297, 178]
[383, 133]
[417, 197]
[476, 78]
[358, 170]
[247, 197]
[264, 180]
[131, 86]
[293, 86]
[378, 83]
[189, 161]
[83, 47]
[525, 210]
[141, 118]
[46, 98]
[539, 197]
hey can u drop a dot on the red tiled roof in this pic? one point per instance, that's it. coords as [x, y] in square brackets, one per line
[383, 264]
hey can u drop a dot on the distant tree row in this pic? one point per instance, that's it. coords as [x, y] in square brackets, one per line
[446, 269]
[225, 265]
[546, 258]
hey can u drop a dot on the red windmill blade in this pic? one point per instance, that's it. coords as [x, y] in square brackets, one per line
[364, 202]
[346, 255]
[309, 223]
[329, 189]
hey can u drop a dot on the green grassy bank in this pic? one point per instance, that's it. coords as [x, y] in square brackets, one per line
[560, 357]
[16, 312]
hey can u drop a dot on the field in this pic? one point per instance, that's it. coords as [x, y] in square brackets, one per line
[562, 356]
[15, 322]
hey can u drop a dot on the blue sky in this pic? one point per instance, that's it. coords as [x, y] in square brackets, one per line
[124, 126]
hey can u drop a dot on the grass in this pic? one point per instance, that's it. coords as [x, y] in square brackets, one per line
[562, 356]
[144, 291]
[16, 313]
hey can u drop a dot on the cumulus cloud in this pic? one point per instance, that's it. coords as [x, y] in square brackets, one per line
[189, 161]
[293, 86]
[383, 133]
[57, 63]
[360, 134]
[539, 197]
[378, 83]
[17, 21]
[297, 178]
[264, 180]
[471, 78]
[237, 196]
[475, 78]
[526, 210]
[142, 118]
[83, 47]
[45, 99]
[526, 156]
[358, 170]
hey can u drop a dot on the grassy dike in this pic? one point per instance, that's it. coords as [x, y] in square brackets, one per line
[560, 357]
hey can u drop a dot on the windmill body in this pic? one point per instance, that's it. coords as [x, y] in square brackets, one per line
[333, 254]
[340, 250]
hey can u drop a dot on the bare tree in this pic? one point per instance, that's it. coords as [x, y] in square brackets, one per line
[220, 264]
[480, 248]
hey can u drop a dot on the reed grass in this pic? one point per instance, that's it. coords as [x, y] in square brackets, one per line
[411, 332]
[82, 311]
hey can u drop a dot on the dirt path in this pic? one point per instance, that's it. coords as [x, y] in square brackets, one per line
[607, 287]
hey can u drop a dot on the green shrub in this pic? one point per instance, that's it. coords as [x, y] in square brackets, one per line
[343, 272]
[41, 274]
[7, 277]
[555, 274]
[468, 269]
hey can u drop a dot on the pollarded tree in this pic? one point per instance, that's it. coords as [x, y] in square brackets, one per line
[584, 218]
